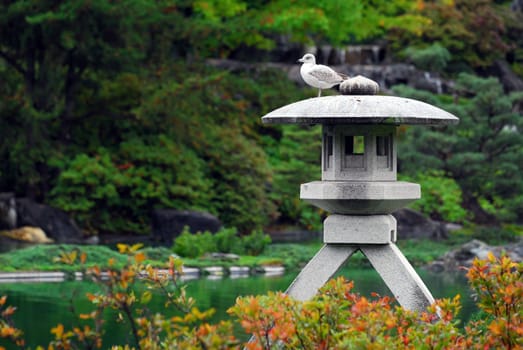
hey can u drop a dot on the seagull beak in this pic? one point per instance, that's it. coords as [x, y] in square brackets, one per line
[300, 60]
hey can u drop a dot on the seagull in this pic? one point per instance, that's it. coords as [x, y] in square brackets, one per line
[318, 75]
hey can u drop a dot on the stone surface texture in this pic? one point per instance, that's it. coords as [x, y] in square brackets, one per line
[360, 198]
[27, 234]
[56, 224]
[364, 109]
[359, 229]
[463, 256]
[7, 211]
[371, 167]
[399, 275]
[319, 270]
[167, 224]
[413, 224]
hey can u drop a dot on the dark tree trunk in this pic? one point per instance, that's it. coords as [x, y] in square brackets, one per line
[480, 215]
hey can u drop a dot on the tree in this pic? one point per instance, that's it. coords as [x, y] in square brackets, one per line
[471, 30]
[483, 153]
[57, 56]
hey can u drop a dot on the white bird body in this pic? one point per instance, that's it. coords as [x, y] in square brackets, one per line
[318, 75]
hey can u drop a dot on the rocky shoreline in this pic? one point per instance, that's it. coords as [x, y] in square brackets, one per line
[463, 256]
[189, 273]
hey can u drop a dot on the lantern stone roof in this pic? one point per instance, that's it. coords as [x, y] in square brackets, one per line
[360, 109]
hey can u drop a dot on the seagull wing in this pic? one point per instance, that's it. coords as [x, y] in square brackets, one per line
[343, 76]
[326, 74]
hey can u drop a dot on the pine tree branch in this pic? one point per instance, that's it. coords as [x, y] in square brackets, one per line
[11, 61]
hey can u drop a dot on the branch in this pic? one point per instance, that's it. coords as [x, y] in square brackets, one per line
[12, 62]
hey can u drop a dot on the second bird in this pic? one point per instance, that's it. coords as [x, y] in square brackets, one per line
[318, 75]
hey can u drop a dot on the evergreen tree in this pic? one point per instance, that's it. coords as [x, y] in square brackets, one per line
[483, 153]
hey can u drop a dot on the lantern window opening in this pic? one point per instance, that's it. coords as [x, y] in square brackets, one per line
[354, 145]
[354, 152]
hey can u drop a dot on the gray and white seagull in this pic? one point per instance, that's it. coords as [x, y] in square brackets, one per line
[318, 75]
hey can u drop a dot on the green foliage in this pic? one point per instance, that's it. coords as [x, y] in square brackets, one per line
[40, 257]
[227, 240]
[482, 153]
[295, 160]
[108, 111]
[440, 196]
[256, 24]
[193, 245]
[432, 58]
[471, 30]
[105, 190]
[497, 235]
[255, 243]
[59, 53]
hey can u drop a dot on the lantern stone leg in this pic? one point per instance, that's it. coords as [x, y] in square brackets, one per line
[399, 275]
[346, 235]
[319, 270]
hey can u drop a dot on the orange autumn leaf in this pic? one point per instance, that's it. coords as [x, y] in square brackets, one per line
[7, 332]
[140, 257]
[58, 331]
[495, 328]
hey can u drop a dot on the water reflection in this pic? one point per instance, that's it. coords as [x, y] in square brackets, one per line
[44, 305]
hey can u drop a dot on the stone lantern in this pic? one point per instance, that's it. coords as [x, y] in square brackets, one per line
[359, 188]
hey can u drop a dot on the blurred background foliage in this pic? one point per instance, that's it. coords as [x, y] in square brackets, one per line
[108, 109]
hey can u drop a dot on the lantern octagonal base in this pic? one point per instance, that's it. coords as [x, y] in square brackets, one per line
[360, 197]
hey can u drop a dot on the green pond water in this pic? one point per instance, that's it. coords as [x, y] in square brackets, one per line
[41, 306]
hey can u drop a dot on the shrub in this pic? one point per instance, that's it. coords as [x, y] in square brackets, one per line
[226, 240]
[104, 190]
[433, 58]
[336, 318]
[255, 243]
[440, 196]
[193, 245]
[497, 235]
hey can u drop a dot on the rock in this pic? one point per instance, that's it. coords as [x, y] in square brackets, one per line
[386, 75]
[517, 6]
[27, 234]
[222, 256]
[413, 224]
[54, 222]
[449, 226]
[365, 54]
[8, 217]
[167, 224]
[463, 256]
[92, 240]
